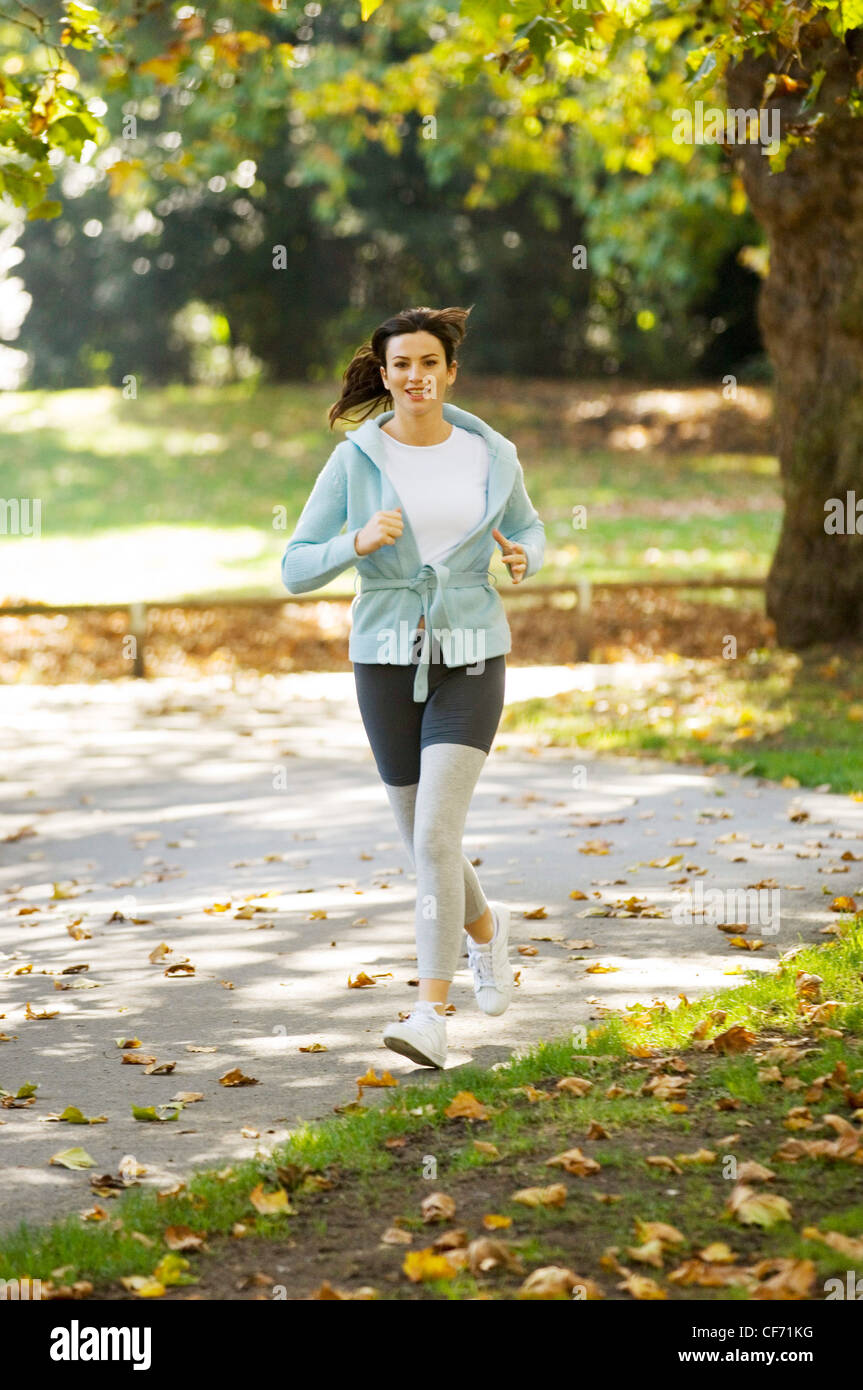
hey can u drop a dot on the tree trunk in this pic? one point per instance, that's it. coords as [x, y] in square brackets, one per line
[811, 318]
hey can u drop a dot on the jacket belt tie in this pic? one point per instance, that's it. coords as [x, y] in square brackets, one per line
[430, 584]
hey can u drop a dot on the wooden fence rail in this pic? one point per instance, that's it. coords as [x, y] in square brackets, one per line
[582, 620]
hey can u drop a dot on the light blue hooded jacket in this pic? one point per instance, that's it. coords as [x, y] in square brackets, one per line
[457, 598]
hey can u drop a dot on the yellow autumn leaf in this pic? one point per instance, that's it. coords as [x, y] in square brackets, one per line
[270, 1203]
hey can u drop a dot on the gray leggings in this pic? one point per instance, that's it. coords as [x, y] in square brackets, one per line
[431, 816]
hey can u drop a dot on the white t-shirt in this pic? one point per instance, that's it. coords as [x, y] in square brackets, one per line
[443, 488]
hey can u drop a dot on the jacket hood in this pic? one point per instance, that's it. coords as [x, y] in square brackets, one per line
[367, 436]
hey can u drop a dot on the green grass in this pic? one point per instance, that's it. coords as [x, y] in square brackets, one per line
[173, 494]
[773, 714]
[351, 1144]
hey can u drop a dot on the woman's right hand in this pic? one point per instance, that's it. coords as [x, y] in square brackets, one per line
[384, 528]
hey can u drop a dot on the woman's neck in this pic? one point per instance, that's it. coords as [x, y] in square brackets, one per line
[418, 430]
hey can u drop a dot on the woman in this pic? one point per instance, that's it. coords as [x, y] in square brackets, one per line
[424, 490]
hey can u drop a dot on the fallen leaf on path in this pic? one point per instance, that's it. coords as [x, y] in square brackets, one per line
[235, 1077]
[148, 1113]
[30, 1012]
[360, 982]
[73, 1116]
[73, 1158]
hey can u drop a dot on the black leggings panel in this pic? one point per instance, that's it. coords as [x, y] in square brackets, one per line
[464, 705]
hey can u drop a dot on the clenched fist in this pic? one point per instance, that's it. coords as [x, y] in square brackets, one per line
[384, 528]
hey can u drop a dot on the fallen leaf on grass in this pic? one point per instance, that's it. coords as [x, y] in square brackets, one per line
[464, 1105]
[737, 1038]
[650, 1253]
[394, 1235]
[575, 1162]
[750, 1171]
[183, 1238]
[489, 1150]
[485, 1255]
[171, 1269]
[438, 1206]
[555, 1282]
[574, 1085]
[793, 1279]
[420, 1265]
[270, 1203]
[641, 1287]
[662, 1161]
[143, 1285]
[552, 1196]
[699, 1156]
[753, 1208]
[494, 1222]
[370, 1079]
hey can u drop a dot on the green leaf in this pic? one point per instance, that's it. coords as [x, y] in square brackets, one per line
[73, 1158]
[48, 208]
[148, 1112]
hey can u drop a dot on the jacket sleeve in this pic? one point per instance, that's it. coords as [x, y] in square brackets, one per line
[521, 522]
[317, 552]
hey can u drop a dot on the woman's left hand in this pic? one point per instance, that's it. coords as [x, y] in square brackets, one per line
[513, 555]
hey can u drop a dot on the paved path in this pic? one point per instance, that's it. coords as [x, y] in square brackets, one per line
[157, 800]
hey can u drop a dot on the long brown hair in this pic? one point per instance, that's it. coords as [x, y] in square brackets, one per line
[362, 384]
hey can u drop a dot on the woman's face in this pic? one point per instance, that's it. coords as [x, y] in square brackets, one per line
[416, 373]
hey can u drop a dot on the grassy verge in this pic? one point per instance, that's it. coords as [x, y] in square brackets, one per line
[749, 1075]
[774, 714]
[173, 494]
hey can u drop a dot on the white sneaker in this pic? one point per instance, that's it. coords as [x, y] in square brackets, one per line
[493, 978]
[422, 1036]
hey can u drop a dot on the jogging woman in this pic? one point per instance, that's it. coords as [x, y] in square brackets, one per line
[425, 490]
